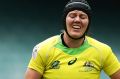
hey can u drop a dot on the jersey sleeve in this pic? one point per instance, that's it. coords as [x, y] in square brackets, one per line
[111, 63]
[36, 61]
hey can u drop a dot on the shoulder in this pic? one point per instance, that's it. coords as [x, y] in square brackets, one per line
[46, 44]
[97, 44]
[50, 41]
[103, 49]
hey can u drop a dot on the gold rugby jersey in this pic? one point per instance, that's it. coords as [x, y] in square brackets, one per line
[56, 61]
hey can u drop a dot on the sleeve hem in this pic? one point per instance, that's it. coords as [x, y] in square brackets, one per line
[36, 69]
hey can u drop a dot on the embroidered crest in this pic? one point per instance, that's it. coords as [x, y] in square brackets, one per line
[55, 65]
[88, 66]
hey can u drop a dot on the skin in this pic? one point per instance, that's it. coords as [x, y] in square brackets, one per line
[116, 75]
[32, 74]
[76, 24]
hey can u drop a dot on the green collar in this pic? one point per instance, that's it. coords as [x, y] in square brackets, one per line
[72, 51]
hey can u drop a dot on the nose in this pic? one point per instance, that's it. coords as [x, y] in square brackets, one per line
[77, 19]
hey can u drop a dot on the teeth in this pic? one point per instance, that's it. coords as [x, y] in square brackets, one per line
[76, 27]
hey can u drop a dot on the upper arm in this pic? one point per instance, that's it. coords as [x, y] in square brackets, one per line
[32, 74]
[116, 75]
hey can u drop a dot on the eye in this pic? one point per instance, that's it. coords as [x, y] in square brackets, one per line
[72, 15]
[83, 16]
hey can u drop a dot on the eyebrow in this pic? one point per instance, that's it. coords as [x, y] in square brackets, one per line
[75, 12]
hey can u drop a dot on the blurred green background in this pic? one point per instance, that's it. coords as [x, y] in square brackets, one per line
[25, 23]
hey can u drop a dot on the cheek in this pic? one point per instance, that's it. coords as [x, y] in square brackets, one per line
[68, 21]
[86, 23]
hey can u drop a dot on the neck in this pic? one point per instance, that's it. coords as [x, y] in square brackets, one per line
[72, 43]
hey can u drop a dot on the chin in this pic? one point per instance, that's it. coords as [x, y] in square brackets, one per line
[76, 35]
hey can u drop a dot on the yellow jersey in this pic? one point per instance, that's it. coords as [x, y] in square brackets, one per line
[55, 61]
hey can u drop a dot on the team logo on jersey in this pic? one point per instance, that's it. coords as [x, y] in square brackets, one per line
[55, 65]
[89, 66]
[72, 61]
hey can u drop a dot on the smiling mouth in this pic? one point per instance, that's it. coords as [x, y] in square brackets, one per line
[76, 26]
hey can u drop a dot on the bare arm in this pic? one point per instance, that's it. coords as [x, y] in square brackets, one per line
[116, 75]
[32, 74]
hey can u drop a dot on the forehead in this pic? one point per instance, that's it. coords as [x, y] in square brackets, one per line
[77, 11]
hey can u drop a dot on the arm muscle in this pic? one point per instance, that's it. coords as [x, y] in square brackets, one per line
[32, 74]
